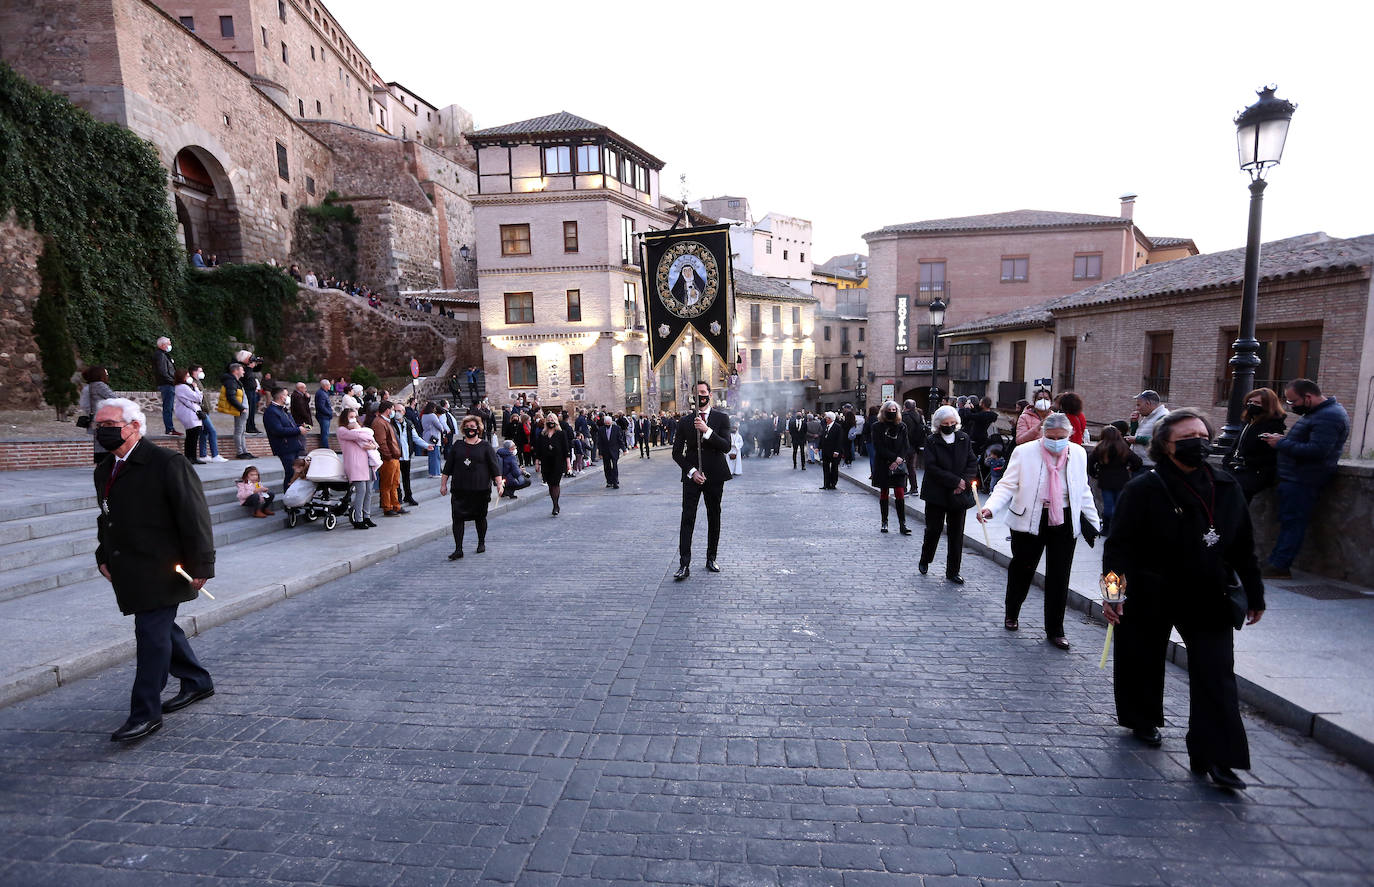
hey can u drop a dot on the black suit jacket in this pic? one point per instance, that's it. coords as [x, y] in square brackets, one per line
[834, 440]
[798, 434]
[713, 449]
[153, 518]
[610, 440]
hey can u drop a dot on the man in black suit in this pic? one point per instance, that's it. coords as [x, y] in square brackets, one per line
[796, 427]
[610, 441]
[700, 450]
[153, 519]
[642, 436]
[832, 444]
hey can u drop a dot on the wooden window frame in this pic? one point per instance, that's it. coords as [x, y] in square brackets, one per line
[283, 163]
[570, 243]
[577, 369]
[524, 362]
[509, 244]
[544, 159]
[574, 298]
[1012, 277]
[1086, 269]
[514, 301]
[226, 33]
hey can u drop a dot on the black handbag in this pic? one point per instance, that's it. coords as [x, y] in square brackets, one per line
[83, 421]
[899, 471]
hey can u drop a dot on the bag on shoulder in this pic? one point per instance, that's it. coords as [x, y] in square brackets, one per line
[83, 421]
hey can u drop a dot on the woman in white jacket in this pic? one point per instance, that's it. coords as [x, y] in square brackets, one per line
[1047, 498]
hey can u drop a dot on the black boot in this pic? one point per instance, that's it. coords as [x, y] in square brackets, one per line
[901, 517]
[882, 509]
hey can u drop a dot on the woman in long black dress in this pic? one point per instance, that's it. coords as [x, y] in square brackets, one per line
[890, 447]
[551, 456]
[473, 467]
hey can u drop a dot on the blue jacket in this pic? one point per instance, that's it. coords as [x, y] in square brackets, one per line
[510, 467]
[1308, 453]
[283, 434]
[324, 407]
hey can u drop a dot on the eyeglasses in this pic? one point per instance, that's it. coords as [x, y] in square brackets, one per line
[108, 424]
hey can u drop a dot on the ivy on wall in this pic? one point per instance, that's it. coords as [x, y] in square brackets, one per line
[97, 193]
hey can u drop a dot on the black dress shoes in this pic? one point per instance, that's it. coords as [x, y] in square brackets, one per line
[412, 503]
[957, 580]
[905, 530]
[185, 698]
[1060, 642]
[457, 554]
[368, 521]
[923, 567]
[1222, 777]
[359, 525]
[481, 547]
[1148, 735]
[682, 573]
[131, 731]
[712, 566]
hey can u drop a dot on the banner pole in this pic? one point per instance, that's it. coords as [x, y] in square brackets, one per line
[708, 404]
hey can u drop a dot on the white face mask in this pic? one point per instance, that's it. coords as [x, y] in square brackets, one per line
[1043, 406]
[200, 375]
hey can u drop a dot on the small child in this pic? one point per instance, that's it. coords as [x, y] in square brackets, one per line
[299, 491]
[996, 465]
[251, 492]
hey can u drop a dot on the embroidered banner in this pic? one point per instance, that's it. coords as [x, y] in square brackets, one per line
[688, 284]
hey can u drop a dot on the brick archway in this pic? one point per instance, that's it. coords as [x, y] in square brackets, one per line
[205, 205]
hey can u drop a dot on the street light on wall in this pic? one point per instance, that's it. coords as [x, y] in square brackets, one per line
[1261, 131]
[863, 389]
[937, 320]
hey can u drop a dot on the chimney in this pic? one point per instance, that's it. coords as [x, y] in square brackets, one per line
[1128, 206]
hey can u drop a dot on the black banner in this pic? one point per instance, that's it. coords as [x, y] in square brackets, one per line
[688, 284]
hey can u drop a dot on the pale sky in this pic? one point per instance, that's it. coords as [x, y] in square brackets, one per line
[863, 114]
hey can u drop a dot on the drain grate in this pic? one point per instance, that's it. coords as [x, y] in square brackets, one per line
[1326, 592]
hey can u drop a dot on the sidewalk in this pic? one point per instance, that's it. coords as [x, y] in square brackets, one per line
[52, 637]
[1306, 665]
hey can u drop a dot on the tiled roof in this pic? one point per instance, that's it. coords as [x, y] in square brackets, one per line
[1028, 317]
[561, 123]
[768, 288]
[549, 123]
[1162, 242]
[1020, 218]
[1294, 256]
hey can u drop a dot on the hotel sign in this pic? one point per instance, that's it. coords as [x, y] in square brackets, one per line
[902, 302]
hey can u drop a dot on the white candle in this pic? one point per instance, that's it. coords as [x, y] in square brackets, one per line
[979, 502]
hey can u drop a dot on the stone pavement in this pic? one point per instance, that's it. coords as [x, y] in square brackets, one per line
[557, 710]
[1306, 664]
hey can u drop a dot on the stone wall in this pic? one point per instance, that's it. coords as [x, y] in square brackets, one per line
[331, 333]
[328, 247]
[1340, 539]
[21, 372]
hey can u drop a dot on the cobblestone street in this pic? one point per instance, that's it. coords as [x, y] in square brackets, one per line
[558, 710]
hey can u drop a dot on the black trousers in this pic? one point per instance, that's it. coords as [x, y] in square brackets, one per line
[692, 492]
[610, 463]
[799, 449]
[162, 649]
[1057, 544]
[405, 481]
[644, 446]
[1216, 734]
[952, 521]
[830, 465]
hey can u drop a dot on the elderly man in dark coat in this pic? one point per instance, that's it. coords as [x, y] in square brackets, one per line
[153, 520]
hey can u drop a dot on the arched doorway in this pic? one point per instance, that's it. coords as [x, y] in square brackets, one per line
[205, 206]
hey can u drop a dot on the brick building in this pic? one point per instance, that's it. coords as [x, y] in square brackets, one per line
[560, 201]
[1170, 327]
[982, 266]
[259, 108]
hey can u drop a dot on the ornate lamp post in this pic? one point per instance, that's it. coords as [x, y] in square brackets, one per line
[937, 320]
[862, 393]
[1261, 130]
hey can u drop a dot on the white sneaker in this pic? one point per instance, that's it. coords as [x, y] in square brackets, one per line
[219, 459]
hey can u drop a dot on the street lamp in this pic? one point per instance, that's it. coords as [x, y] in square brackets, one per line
[863, 389]
[1261, 130]
[937, 320]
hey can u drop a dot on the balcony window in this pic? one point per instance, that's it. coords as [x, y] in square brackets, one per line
[629, 255]
[588, 158]
[612, 162]
[755, 321]
[557, 160]
[970, 363]
[796, 363]
[631, 306]
[755, 364]
[515, 240]
[519, 307]
[777, 363]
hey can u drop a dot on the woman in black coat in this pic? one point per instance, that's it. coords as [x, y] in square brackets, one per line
[951, 466]
[1252, 462]
[1182, 531]
[551, 455]
[474, 469]
[888, 441]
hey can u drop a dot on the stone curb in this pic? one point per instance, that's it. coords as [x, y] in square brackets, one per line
[1357, 749]
[40, 679]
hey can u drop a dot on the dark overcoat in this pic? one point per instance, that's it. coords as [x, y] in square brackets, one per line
[152, 517]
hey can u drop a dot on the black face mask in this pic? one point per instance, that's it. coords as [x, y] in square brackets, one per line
[1192, 451]
[1254, 409]
[948, 429]
[703, 400]
[891, 414]
[1300, 409]
[469, 432]
[110, 439]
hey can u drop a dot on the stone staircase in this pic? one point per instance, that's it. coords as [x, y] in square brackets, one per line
[48, 541]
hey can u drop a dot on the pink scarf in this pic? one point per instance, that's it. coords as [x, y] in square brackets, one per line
[1054, 467]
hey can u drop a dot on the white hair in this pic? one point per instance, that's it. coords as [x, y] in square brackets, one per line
[946, 412]
[163, 340]
[130, 411]
[1056, 420]
[890, 405]
[242, 356]
[355, 390]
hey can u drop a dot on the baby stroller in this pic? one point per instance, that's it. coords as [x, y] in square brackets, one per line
[330, 492]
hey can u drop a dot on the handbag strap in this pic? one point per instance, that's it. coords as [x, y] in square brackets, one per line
[1167, 492]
